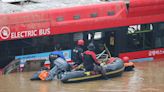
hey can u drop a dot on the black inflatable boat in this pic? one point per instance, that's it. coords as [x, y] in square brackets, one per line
[113, 69]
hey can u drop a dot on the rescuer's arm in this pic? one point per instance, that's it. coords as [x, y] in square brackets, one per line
[94, 58]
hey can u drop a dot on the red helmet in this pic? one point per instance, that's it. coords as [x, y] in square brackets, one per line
[125, 59]
[80, 42]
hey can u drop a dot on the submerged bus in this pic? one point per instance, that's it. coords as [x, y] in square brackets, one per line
[134, 29]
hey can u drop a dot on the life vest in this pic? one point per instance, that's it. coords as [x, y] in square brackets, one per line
[43, 75]
[89, 60]
[77, 55]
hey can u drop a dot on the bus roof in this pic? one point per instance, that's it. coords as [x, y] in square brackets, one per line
[33, 5]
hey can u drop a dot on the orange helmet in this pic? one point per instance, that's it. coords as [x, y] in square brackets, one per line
[80, 42]
[125, 59]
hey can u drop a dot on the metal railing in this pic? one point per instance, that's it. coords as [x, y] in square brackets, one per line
[11, 66]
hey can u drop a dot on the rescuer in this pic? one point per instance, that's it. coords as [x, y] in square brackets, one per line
[90, 61]
[58, 65]
[77, 52]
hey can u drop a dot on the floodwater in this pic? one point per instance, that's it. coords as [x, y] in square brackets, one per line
[147, 77]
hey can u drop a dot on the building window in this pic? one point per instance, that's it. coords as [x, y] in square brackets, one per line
[93, 15]
[76, 17]
[61, 18]
[110, 13]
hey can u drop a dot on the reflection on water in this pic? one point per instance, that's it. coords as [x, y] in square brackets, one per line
[147, 77]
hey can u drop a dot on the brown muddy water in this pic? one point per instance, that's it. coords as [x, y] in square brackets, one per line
[147, 77]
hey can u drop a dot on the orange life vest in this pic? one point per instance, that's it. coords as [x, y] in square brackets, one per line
[43, 75]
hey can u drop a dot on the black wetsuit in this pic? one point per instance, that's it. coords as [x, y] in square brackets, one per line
[90, 60]
[77, 55]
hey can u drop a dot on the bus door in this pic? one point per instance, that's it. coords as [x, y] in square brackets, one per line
[115, 40]
[110, 42]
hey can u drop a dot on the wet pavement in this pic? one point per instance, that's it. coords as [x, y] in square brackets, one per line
[147, 77]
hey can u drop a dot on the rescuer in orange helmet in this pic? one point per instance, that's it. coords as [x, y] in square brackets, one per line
[77, 52]
[125, 59]
[80, 42]
[129, 66]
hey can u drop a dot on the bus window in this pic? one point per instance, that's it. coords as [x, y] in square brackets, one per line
[97, 36]
[76, 17]
[93, 15]
[60, 18]
[110, 13]
[77, 36]
[161, 28]
[140, 37]
[159, 35]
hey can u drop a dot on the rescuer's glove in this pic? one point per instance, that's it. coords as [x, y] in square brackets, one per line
[102, 64]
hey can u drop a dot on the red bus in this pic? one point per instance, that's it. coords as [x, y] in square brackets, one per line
[134, 29]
